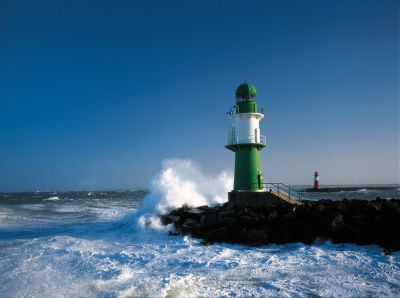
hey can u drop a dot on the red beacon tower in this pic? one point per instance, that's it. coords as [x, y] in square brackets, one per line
[316, 180]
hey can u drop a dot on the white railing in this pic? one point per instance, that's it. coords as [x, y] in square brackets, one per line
[252, 139]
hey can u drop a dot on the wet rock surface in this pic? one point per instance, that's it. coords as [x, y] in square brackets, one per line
[348, 221]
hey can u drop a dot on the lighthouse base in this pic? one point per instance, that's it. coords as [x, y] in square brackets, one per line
[253, 199]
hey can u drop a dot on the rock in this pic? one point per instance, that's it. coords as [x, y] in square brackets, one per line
[206, 243]
[204, 207]
[190, 225]
[253, 237]
[376, 206]
[287, 219]
[165, 220]
[194, 213]
[347, 221]
[190, 222]
[337, 223]
[248, 222]
[273, 216]
[225, 213]
[319, 208]
[342, 206]
[395, 205]
[230, 222]
[208, 221]
[388, 251]
[169, 218]
[360, 220]
[219, 234]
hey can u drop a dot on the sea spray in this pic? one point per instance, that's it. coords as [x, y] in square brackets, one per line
[181, 182]
[55, 198]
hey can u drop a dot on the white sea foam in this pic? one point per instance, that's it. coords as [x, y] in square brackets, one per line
[71, 209]
[155, 265]
[182, 182]
[55, 198]
[33, 206]
[6, 215]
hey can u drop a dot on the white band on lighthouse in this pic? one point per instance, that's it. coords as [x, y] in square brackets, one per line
[246, 129]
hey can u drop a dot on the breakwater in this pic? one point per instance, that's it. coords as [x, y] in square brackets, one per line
[347, 221]
[350, 188]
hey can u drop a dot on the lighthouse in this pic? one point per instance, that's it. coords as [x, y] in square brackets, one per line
[245, 140]
[316, 180]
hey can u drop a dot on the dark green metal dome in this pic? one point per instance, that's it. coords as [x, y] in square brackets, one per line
[246, 91]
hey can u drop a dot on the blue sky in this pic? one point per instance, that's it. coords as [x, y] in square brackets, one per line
[95, 94]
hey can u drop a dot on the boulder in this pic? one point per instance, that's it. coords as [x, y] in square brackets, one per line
[208, 221]
[194, 213]
[190, 222]
[230, 222]
[190, 225]
[248, 222]
[220, 234]
[226, 213]
[273, 216]
[337, 223]
[253, 236]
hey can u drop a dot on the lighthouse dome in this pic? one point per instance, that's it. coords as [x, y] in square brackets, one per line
[246, 91]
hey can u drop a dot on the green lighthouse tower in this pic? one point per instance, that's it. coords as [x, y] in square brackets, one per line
[245, 139]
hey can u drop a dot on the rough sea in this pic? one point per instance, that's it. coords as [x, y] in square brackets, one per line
[108, 244]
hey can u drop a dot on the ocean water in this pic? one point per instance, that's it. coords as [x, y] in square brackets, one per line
[99, 244]
[111, 244]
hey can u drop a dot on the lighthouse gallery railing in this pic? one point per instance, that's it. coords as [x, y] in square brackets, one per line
[252, 139]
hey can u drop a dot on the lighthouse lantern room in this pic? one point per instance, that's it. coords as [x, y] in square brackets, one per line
[245, 139]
